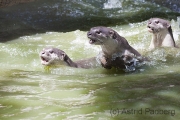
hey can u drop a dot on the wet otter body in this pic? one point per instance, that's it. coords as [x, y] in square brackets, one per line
[162, 33]
[55, 56]
[116, 51]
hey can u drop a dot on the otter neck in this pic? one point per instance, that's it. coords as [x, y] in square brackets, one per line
[162, 38]
[69, 62]
[156, 40]
[109, 47]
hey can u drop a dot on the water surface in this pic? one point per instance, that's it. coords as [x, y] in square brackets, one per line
[30, 91]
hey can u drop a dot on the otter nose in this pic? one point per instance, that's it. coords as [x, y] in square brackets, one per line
[42, 52]
[89, 33]
[149, 22]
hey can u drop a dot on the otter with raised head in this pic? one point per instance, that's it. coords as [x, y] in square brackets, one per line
[54, 56]
[116, 51]
[162, 33]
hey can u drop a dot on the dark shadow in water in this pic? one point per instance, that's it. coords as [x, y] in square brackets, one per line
[44, 16]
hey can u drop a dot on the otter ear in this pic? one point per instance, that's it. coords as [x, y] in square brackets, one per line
[113, 34]
[63, 56]
[168, 25]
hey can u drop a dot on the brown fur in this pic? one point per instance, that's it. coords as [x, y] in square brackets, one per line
[116, 51]
[55, 56]
[162, 33]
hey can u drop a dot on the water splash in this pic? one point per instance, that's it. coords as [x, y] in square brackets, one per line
[113, 4]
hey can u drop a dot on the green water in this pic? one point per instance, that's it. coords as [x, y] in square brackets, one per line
[30, 91]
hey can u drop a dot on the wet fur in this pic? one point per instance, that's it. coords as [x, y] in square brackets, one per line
[162, 33]
[112, 43]
[60, 57]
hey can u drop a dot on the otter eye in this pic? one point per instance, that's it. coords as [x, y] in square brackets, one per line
[98, 32]
[51, 51]
[157, 22]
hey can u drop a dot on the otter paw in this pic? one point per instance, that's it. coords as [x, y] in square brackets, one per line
[105, 63]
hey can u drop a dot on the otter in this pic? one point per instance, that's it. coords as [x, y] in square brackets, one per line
[54, 56]
[162, 33]
[116, 51]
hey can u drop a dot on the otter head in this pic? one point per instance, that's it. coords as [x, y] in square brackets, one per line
[156, 25]
[52, 56]
[99, 35]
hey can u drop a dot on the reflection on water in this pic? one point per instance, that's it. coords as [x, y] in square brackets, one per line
[30, 91]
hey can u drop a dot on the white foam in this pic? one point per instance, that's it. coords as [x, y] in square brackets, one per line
[113, 4]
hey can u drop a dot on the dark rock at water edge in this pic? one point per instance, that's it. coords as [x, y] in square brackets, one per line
[37, 16]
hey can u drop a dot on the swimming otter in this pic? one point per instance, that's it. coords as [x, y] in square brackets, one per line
[162, 33]
[116, 51]
[55, 56]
